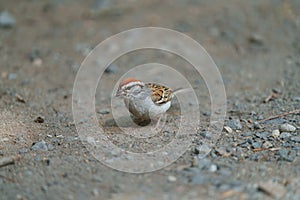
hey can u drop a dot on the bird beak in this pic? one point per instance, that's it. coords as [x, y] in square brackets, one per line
[119, 93]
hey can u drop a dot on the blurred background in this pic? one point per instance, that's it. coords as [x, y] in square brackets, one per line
[255, 44]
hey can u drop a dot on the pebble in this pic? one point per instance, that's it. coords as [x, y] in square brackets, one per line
[12, 76]
[206, 134]
[275, 133]
[172, 178]
[234, 124]
[267, 144]
[263, 135]
[287, 155]
[104, 111]
[256, 39]
[40, 146]
[83, 48]
[7, 20]
[102, 4]
[23, 151]
[221, 151]
[33, 55]
[297, 99]
[39, 119]
[213, 168]
[260, 117]
[202, 151]
[295, 138]
[199, 178]
[287, 128]
[276, 190]
[285, 135]
[256, 145]
[112, 69]
[203, 163]
[69, 139]
[228, 129]
[50, 147]
[95, 192]
[20, 137]
[183, 26]
[256, 125]
[247, 134]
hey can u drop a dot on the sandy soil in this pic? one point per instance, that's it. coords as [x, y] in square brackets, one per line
[256, 47]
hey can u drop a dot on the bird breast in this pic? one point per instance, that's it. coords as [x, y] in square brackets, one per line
[145, 108]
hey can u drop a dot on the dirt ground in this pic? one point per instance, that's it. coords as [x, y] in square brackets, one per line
[256, 46]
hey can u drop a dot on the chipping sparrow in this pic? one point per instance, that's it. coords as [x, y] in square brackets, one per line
[145, 101]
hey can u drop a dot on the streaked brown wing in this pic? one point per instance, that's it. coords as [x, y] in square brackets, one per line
[159, 94]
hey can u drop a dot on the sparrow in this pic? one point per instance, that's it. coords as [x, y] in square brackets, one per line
[145, 101]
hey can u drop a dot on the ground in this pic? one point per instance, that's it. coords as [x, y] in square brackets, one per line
[255, 45]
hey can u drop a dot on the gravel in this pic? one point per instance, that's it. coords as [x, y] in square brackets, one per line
[40, 146]
[256, 145]
[285, 135]
[295, 138]
[234, 124]
[112, 69]
[287, 128]
[275, 133]
[7, 20]
[247, 134]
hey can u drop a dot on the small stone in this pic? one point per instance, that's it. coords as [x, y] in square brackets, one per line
[6, 20]
[202, 150]
[263, 135]
[37, 62]
[33, 55]
[44, 188]
[247, 134]
[214, 31]
[256, 39]
[267, 144]
[172, 178]
[4, 139]
[276, 190]
[12, 76]
[104, 111]
[221, 151]
[95, 192]
[228, 129]
[287, 128]
[286, 155]
[206, 134]
[69, 139]
[213, 168]
[20, 99]
[50, 147]
[285, 135]
[83, 48]
[20, 137]
[112, 69]
[102, 4]
[183, 26]
[234, 124]
[275, 133]
[295, 138]
[260, 117]
[256, 125]
[256, 145]
[39, 119]
[23, 151]
[297, 99]
[40, 146]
